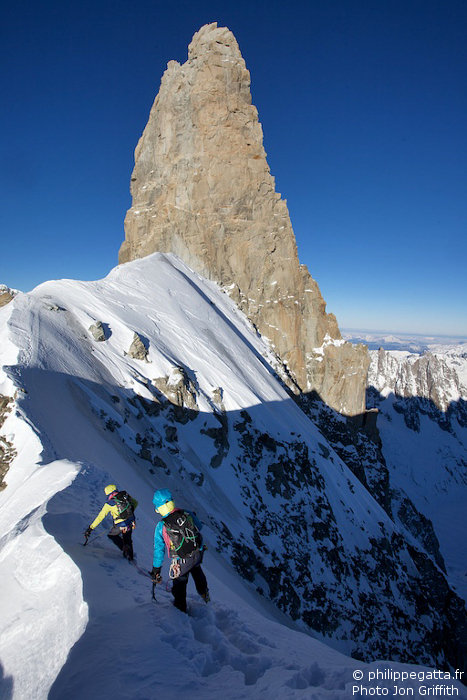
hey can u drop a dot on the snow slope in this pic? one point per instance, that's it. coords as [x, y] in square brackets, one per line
[87, 414]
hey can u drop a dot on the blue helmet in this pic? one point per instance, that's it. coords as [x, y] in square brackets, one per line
[161, 497]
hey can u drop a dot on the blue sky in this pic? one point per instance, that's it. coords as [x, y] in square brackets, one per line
[364, 111]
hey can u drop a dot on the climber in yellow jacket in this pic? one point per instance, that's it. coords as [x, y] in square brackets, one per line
[121, 506]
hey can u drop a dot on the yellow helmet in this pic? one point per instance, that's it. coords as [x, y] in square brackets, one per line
[110, 489]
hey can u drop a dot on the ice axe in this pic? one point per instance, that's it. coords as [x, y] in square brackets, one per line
[87, 538]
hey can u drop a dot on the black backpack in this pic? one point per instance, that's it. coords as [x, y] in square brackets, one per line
[125, 507]
[185, 538]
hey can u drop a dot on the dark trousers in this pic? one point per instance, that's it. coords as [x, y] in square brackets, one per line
[180, 584]
[122, 540]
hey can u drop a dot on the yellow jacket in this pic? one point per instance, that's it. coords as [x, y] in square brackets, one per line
[113, 510]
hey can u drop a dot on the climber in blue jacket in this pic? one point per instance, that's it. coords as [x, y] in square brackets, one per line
[179, 533]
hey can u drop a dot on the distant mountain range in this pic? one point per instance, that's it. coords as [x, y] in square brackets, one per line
[410, 342]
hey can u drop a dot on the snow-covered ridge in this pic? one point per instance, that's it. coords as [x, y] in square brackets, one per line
[205, 415]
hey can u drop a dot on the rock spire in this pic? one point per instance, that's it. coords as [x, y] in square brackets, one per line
[202, 189]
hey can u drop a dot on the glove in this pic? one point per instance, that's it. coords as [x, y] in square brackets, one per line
[156, 574]
[87, 532]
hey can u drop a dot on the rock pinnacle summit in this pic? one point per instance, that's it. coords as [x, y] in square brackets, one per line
[202, 189]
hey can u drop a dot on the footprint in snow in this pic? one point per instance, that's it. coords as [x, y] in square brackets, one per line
[222, 641]
[314, 676]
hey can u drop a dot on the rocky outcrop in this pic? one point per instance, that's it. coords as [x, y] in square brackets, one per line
[7, 450]
[6, 295]
[202, 189]
[178, 388]
[138, 349]
[97, 331]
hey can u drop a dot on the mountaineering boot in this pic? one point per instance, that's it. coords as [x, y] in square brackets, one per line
[205, 596]
[128, 552]
[180, 605]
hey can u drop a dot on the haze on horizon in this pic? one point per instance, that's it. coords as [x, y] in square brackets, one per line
[363, 113]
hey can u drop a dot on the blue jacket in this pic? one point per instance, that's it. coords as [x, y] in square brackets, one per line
[160, 544]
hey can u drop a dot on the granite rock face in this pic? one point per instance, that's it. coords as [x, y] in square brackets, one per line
[202, 189]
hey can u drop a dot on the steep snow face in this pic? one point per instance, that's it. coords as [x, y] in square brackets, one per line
[203, 413]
